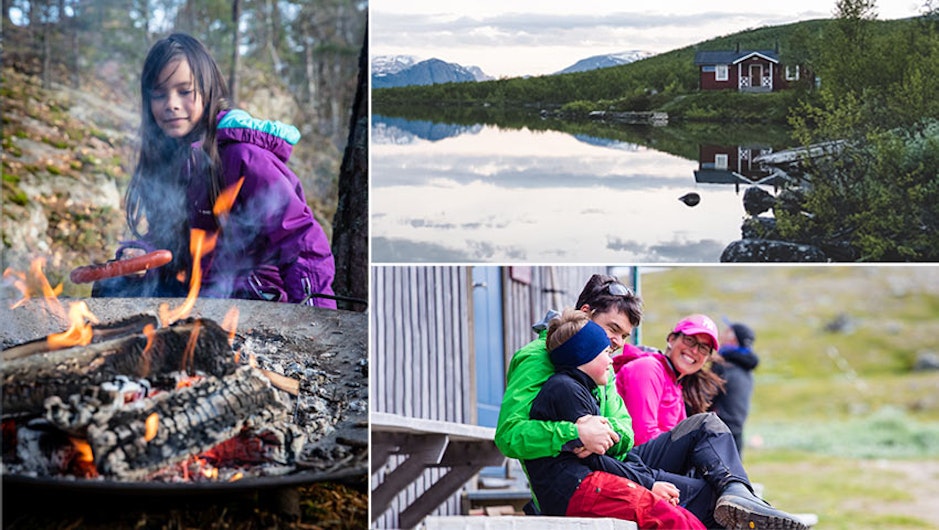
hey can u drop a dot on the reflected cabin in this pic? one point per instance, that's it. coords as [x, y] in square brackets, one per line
[745, 71]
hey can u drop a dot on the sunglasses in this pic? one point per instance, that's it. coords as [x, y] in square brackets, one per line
[617, 289]
[702, 348]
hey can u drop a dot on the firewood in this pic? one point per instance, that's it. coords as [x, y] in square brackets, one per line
[100, 333]
[191, 420]
[29, 380]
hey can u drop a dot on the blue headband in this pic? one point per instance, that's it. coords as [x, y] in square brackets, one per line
[582, 348]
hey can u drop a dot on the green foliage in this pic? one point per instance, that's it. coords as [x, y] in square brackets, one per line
[733, 106]
[879, 194]
[641, 85]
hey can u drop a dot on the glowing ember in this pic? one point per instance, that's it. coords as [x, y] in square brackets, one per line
[84, 461]
[79, 332]
[237, 476]
[152, 426]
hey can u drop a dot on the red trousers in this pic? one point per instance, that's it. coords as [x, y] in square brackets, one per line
[603, 494]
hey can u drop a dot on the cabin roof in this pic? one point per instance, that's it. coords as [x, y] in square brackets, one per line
[732, 57]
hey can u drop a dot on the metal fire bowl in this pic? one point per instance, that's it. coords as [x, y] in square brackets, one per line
[338, 338]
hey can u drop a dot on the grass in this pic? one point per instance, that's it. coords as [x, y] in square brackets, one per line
[845, 493]
[844, 421]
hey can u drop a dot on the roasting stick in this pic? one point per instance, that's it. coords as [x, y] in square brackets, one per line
[287, 384]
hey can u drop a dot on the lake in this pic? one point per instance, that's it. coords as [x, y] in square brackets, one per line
[447, 193]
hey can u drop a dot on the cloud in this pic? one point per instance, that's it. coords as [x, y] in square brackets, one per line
[536, 43]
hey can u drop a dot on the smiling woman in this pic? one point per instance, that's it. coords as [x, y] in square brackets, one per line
[660, 389]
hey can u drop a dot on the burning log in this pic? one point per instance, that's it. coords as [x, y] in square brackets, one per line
[100, 333]
[189, 421]
[190, 345]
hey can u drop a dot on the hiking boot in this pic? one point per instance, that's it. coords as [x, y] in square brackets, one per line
[738, 508]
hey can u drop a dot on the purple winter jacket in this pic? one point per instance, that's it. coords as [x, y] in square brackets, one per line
[270, 246]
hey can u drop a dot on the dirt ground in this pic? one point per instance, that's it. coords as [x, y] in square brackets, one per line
[923, 479]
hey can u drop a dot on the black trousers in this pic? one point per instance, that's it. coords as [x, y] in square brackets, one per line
[700, 457]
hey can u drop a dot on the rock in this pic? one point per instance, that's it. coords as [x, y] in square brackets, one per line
[760, 250]
[926, 361]
[757, 200]
[841, 324]
[691, 199]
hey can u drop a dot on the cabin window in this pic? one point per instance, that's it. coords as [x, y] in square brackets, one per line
[792, 73]
[720, 161]
[721, 72]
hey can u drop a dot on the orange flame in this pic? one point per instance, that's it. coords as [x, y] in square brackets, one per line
[152, 425]
[230, 323]
[35, 283]
[237, 476]
[190, 348]
[200, 244]
[79, 332]
[226, 199]
[150, 332]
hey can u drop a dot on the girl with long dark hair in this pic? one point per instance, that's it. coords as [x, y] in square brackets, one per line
[194, 146]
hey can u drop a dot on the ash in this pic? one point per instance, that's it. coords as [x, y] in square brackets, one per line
[331, 408]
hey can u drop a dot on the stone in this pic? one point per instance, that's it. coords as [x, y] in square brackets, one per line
[759, 250]
[757, 200]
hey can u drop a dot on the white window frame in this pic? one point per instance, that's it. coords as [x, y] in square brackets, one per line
[790, 76]
[720, 161]
[721, 72]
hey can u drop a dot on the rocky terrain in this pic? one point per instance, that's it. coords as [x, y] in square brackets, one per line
[66, 159]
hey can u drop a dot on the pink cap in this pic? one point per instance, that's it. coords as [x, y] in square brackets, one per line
[695, 324]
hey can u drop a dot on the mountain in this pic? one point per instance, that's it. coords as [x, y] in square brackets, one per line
[605, 61]
[391, 64]
[401, 70]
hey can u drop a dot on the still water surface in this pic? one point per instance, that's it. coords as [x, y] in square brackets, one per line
[446, 193]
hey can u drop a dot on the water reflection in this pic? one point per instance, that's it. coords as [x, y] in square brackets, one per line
[457, 193]
[737, 165]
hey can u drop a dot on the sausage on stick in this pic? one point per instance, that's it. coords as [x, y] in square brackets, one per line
[123, 267]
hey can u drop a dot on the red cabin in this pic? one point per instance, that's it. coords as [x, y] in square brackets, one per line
[745, 71]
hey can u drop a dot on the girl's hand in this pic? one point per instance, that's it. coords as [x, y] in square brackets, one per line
[667, 491]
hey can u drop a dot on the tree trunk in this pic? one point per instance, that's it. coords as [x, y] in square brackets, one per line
[236, 54]
[350, 225]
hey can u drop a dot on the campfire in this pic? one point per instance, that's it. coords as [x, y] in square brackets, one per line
[162, 396]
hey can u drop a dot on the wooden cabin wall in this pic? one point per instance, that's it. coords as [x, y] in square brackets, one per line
[420, 361]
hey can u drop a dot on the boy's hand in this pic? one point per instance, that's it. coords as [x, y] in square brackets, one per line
[596, 435]
[667, 491]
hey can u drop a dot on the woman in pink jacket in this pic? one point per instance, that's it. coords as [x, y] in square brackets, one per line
[661, 389]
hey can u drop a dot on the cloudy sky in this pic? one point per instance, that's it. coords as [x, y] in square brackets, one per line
[508, 38]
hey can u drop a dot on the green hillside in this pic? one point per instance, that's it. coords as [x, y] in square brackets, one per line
[668, 81]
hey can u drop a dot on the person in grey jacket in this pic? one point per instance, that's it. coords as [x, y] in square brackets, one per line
[736, 363]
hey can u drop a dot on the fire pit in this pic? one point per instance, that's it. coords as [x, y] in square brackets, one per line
[295, 414]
